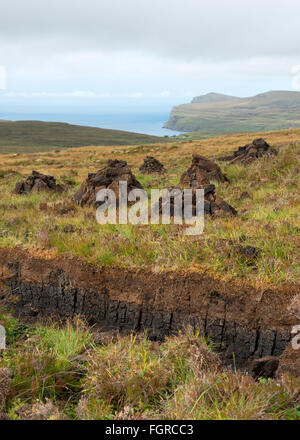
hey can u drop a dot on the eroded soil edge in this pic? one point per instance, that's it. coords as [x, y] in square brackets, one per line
[242, 321]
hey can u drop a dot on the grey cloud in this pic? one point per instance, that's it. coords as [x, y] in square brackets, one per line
[151, 50]
[180, 29]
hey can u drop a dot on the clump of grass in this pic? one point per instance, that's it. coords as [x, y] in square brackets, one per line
[129, 372]
[178, 379]
[137, 373]
[57, 372]
[15, 331]
[234, 396]
[45, 364]
[66, 341]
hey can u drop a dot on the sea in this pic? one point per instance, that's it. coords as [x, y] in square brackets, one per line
[151, 124]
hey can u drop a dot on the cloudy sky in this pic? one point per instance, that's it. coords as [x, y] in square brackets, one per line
[123, 55]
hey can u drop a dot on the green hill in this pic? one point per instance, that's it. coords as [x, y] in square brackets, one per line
[214, 97]
[221, 114]
[34, 136]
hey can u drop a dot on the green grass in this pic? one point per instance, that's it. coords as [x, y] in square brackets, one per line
[60, 371]
[43, 362]
[35, 136]
[64, 341]
[269, 221]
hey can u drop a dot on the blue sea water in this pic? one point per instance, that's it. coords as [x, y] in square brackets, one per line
[151, 124]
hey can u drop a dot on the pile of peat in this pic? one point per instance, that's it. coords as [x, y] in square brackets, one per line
[108, 177]
[250, 152]
[152, 166]
[37, 182]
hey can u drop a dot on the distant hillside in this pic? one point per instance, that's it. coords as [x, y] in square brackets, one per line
[220, 114]
[33, 136]
[214, 97]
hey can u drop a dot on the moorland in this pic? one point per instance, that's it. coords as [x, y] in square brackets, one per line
[70, 368]
[35, 136]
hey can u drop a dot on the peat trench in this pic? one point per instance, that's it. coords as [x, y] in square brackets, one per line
[243, 322]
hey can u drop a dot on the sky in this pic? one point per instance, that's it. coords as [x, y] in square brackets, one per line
[143, 55]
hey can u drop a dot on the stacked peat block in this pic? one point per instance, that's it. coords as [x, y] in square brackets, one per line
[250, 152]
[199, 176]
[36, 183]
[152, 166]
[106, 178]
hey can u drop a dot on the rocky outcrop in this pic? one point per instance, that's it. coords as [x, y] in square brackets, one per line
[108, 177]
[36, 183]
[250, 152]
[201, 172]
[152, 166]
